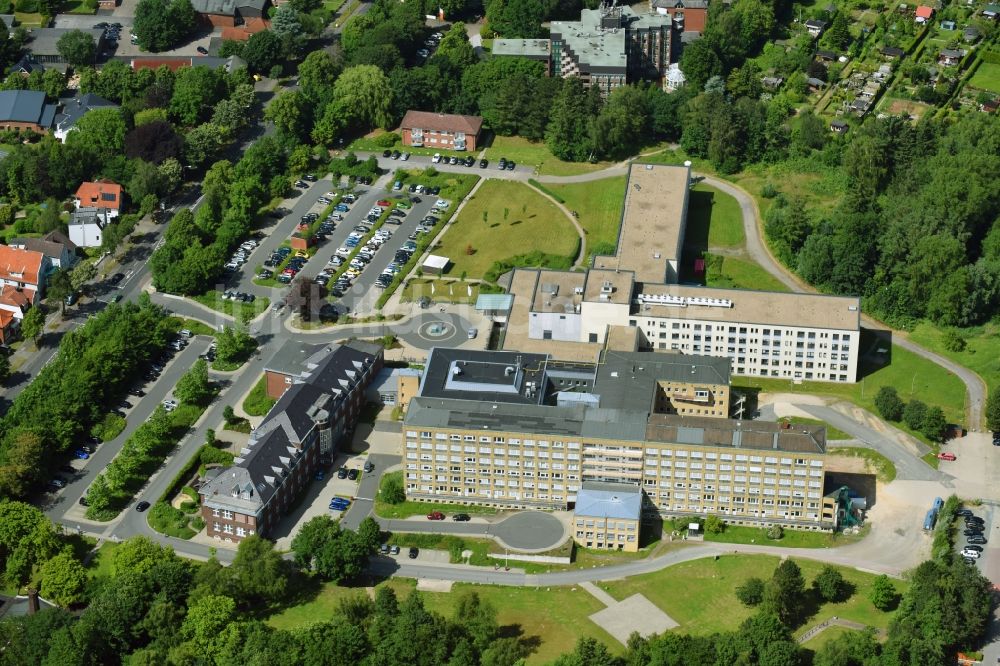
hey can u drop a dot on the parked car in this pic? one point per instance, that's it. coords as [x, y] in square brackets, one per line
[394, 549]
[57, 483]
[311, 178]
[369, 466]
[981, 540]
[435, 515]
[353, 474]
[342, 473]
[461, 517]
[414, 551]
[947, 455]
[437, 158]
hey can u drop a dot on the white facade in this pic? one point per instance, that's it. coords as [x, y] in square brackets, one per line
[86, 234]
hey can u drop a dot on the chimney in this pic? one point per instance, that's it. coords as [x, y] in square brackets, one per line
[32, 601]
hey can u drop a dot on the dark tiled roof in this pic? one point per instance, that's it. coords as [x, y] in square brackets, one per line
[77, 107]
[448, 122]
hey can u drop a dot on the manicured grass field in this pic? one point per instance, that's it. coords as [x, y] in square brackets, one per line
[981, 353]
[444, 291]
[555, 617]
[987, 77]
[532, 224]
[884, 469]
[827, 635]
[257, 403]
[740, 274]
[700, 595]
[236, 309]
[599, 206]
[407, 509]
[536, 155]
[714, 215]
[791, 538]
[930, 383]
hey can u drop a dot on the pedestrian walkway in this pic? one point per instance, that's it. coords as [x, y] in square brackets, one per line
[815, 631]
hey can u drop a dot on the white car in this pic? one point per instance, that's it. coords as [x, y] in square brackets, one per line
[343, 252]
[968, 552]
[436, 158]
[170, 405]
[440, 203]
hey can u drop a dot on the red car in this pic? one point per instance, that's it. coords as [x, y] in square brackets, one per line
[435, 515]
[946, 456]
[383, 203]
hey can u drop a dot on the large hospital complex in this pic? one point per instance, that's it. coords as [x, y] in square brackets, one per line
[611, 396]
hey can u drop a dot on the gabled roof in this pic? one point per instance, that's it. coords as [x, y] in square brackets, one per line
[26, 106]
[20, 265]
[27, 64]
[227, 7]
[449, 122]
[923, 11]
[9, 295]
[48, 248]
[102, 194]
[60, 237]
[77, 107]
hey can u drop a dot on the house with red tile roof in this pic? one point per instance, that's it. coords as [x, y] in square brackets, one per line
[13, 305]
[104, 195]
[441, 130]
[25, 270]
[924, 14]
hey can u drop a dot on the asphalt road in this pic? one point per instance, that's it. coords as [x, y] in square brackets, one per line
[364, 502]
[65, 503]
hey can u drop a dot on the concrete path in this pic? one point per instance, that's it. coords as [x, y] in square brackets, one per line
[823, 626]
[598, 593]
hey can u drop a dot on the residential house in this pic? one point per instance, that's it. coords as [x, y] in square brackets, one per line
[13, 304]
[44, 43]
[60, 250]
[25, 270]
[923, 14]
[950, 57]
[892, 52]
[441, 130]
[307, 423]
[991, 12]
[103, 195]
[826, 56]
[883, 73]
[860, 105]
[76, 108]
[815, 85]
[230, 13]
[839, 126]
[26, 65]
[970, 34]
[816, 27]
[608, 516]
[86, 226]
[25, 110]
[870, 91]
[947, 25]
[772, 82]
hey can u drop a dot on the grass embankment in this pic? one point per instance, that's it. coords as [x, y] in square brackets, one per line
[407, 508]
[257, 402]
[506, 221]
[790, 538]
[598, 205]
[831, 432]
[537, 156]
[554, 619]
[700, 594]
[878, 464]
[440, 291]
[736, 273]
[981, 352]
[714, 219]
[238, 310]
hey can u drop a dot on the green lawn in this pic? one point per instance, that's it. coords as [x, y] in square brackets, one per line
[454, 186]
[556, 618]
[196, 327]
[537, 155]
[235, 309]
[714, 217]
[32, 20]
[407, 509]
[257, 403]
[930, 383]
[78, 7]
[831, 432]
[599, 205]
[981, 353]
[987, 77]
[532, 224]
[827, 635]
[372, 143]
[700, 595]
[736, 273]
[440, 291]
[100, 564]
[791, 538]
[883, 468]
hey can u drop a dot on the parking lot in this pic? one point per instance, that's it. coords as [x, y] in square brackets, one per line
[989, 560]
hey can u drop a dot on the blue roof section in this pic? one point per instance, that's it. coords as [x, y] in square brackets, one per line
[494, 301]
[23, 106]
[621, 501]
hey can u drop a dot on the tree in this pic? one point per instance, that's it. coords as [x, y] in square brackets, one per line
[888, 403]
[363, 95]
[784, 594]
[839, 34]
[100, 132]
[194, 387]
[202, 144]
[138, 555]
[568, 134]
[206, 618]
[391, 489]
[318, 72]
[830, 584]
[332, 552]
[286, 25]
[455, 46]
[588, 652]
[153, 141]
[699, 62]
[306, 299]
[4, 367]
[33, 324]
[914, 413]
[159, 25]
[516, 19]
[233, 345]
[370, 533]
[77, 48]
[882, 593]
[751, 592]
[714, 525]
[262, 51]
[993, 411]
[196, 90]
[59, 287]
[290, 113]
[933, 424]
[63, 579]
[258, 571]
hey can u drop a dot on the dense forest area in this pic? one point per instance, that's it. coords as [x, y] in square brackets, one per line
[151, 607]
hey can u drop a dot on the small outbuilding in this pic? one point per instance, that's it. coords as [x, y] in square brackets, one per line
[839, 126]
[924, 14]
[435, 265]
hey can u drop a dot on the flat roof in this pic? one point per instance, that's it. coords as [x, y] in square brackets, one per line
[555, 291]
[627, 380]
[774, 308]
[653, 221]
[482, 375]
[599, 282]
[602, 499]
[525, 48]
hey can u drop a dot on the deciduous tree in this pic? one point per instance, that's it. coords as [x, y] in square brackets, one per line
[77, 48]
[63, 579]
[888, 403]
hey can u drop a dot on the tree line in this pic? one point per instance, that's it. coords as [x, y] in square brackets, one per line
[92, 369]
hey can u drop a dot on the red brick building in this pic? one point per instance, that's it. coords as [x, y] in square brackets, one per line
[318, 409]
[441, 130]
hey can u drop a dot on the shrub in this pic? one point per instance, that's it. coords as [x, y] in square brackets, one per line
[883, 593]
[110, 427]
[387, 140]
[768, 191]
[775, 532]
[830, 584]
[913, 414]
[392, 490]
[198, 524]
[889, 404]
[953, 341]
[714, 525]
[188, 506]
[751, 593]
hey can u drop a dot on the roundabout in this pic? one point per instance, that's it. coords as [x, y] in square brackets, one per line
[530, 531]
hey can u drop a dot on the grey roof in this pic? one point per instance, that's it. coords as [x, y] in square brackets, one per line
[292, 357]
[525, 48]
[327, 378]
[25, 106]
[230, 64]
[51, 249]
[77, 107]
[893, 51]
[952, 53]
[599, 48]
[27, 64]
[89, 215]
[680, 4]
[226, 7]
[819, 83]
[626, 380]
[44, 40]
[816, 23]
[483, 375]
[601, 499]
